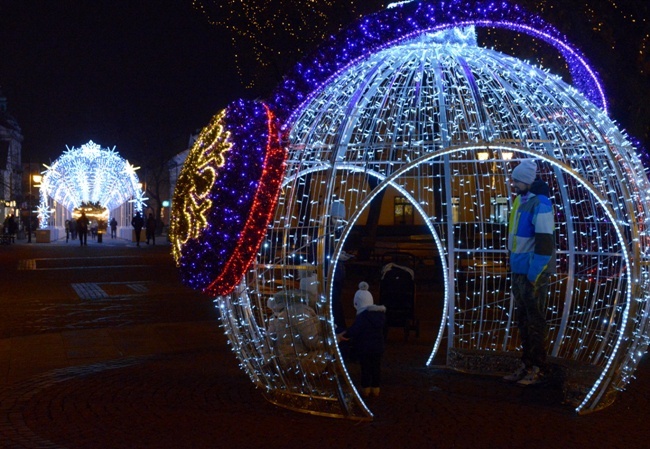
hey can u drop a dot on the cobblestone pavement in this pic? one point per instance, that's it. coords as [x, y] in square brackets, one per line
[108, 350]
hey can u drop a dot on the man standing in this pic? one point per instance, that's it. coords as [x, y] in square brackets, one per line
[82, 228]
[113, 225]
[137, 223]
[531, 241]
[150, 228]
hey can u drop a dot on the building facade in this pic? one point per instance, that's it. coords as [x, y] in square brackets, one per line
[11, 139]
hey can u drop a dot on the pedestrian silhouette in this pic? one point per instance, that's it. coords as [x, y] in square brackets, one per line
[82, 229]
[137, 223]
[113, 224]
[151, 229]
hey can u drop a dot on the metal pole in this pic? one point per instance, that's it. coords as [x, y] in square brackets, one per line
[29, 205]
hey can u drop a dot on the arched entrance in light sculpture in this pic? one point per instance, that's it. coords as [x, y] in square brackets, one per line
[444, 121]
[590, 300]
[89, 175]
[480, 316]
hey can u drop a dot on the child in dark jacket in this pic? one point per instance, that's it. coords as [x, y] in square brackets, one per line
[367, 335]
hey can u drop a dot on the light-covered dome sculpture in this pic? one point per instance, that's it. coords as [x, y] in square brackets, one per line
[407, 101]
[89, 175]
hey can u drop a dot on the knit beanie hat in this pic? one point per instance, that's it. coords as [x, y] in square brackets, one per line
[362, 298]
[525, 172]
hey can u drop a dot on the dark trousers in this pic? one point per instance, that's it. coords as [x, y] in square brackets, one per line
[531, 317]
[83, 237]
[370, 370]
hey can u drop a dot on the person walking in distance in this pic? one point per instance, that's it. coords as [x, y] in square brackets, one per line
[73, 229]
[367, 336]
[137, 222]
[151, 229]
[531, 241]
[82, 229]
[113, 224]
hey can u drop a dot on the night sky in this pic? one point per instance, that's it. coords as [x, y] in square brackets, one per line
[142, 75]
[138, 75]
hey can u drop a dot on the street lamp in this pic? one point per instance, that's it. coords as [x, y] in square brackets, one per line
[36, 179]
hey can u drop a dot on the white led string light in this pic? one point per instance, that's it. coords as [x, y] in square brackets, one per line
[414, 117]
[89, 174]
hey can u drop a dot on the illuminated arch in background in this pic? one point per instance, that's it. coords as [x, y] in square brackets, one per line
[89, 174]
[406, 98]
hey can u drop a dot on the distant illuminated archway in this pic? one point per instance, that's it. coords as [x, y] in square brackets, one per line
[89, 175]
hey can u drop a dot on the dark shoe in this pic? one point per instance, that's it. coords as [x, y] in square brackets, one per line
[535, 376]
[519, 374]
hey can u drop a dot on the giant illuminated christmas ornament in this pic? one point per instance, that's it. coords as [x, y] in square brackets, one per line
[89, 175]
[224, 197]
[407, 102]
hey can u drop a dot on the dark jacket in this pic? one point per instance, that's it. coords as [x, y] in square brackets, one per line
[137, 222]
[82, 223]
[151, 224]
[367, 331]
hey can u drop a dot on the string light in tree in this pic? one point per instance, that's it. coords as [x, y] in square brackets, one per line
[272, 33]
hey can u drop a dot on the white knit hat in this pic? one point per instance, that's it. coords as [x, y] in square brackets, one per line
[525, 172]
[363, 298]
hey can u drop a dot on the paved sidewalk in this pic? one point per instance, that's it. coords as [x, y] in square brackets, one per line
[144, 364]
